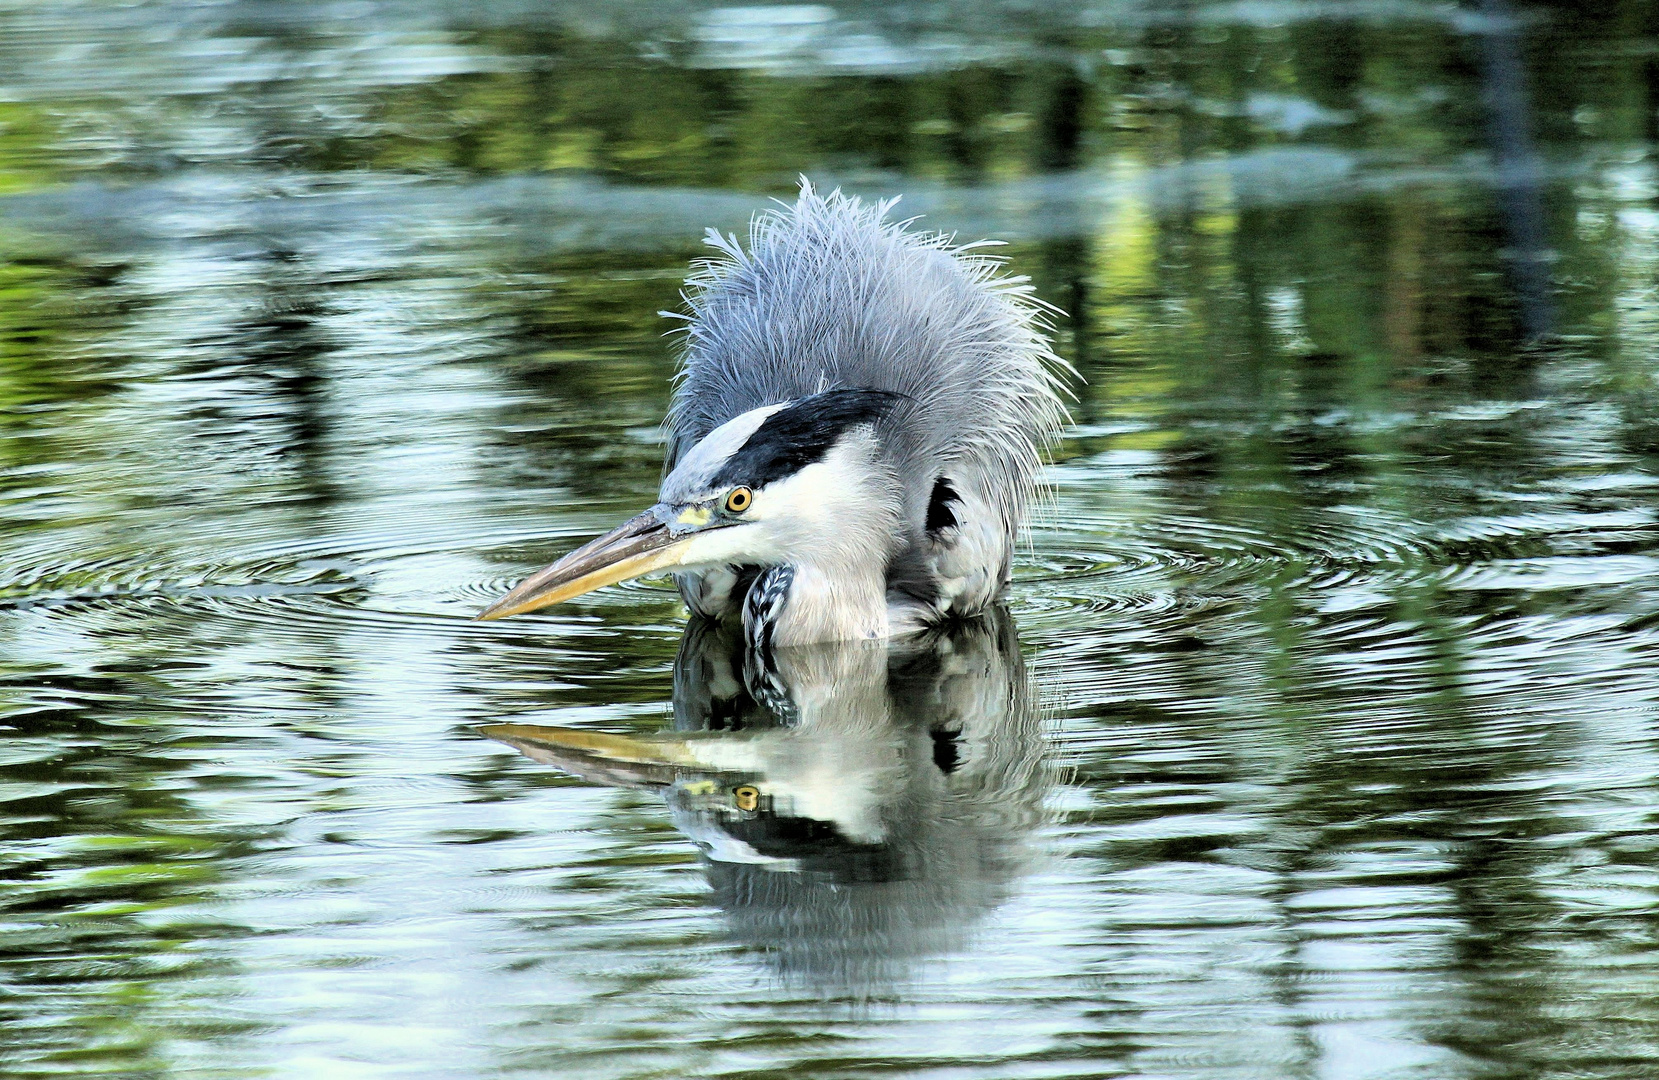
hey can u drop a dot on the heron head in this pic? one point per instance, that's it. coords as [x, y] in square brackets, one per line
[798, 481]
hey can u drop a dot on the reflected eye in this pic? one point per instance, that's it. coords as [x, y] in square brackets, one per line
[739, 499]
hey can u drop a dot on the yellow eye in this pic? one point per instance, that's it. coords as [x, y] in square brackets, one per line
[746, 797]
[739, 499]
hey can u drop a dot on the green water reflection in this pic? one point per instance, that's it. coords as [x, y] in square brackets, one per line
[322, 324]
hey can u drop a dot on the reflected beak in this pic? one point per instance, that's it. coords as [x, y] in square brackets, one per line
[634, 760]
[552, 745]
[596, 756]
[636, 548]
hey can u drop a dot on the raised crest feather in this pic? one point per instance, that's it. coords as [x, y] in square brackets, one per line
[828, 294]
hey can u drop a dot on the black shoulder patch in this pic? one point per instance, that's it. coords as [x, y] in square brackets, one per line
[939, 513]
[947, 749]
[801, 434]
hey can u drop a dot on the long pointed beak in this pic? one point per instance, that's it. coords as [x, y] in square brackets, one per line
[596, 756]
[635, 760]
[637, 547]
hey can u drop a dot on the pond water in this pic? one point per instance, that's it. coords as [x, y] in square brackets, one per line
[1320, 739]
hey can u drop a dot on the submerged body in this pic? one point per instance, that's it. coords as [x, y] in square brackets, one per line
[854, 439]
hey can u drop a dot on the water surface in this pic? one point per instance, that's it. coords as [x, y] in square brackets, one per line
[1318, 739]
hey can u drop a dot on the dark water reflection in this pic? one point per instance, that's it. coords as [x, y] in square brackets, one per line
[321, 324]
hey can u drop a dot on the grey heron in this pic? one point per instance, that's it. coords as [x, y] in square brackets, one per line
[855, 435]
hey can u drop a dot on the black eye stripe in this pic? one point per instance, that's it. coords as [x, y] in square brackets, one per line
[801, 434]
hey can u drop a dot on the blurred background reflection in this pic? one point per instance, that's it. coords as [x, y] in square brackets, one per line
[323, 323]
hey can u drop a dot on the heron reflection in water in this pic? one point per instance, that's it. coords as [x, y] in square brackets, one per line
[858, 805]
